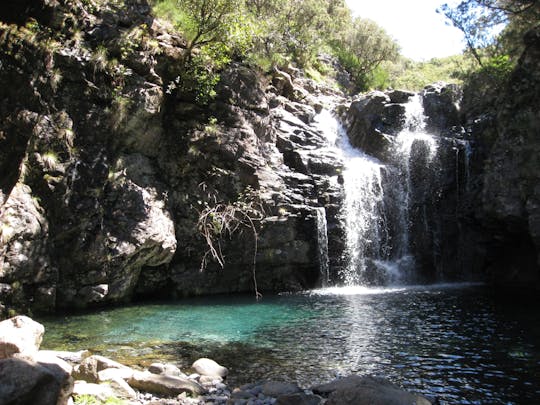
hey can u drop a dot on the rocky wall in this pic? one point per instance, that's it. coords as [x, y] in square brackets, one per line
[107, 164]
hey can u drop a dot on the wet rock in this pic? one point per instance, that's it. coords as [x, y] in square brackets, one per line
[370, 121]
[441, 106]
[298, 399]
[356, 390]
[209, 367]
[20, 335]
[338, 384]
[511, 194]
[400, 96]
[277, 388]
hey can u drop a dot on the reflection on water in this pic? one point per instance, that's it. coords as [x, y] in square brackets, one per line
[444, 341]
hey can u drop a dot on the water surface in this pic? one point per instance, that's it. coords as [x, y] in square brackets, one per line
[452, 342]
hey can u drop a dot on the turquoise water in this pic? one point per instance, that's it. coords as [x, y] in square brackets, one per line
[452, 342]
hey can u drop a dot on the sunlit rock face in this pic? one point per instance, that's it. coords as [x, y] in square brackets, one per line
[107, 165]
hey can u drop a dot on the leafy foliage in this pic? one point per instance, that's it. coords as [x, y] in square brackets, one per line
[493, 30]
[362, 49]
[276, 33]
[412, 75]
[481, 22]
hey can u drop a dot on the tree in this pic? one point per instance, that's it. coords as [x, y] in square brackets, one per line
[479, 21]
[203, 22]
[362, 49]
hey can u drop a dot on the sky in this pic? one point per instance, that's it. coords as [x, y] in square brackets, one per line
[419, 30]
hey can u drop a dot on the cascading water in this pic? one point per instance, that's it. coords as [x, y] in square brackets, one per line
[366, 236]
[364, 213]
[322, 242]
[413, 151]
[379, 198]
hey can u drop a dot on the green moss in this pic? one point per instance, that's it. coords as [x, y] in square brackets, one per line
[91, 400]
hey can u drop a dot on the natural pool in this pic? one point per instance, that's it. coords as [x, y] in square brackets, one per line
[454, 342]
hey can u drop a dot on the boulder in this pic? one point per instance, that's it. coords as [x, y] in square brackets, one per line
[23, 382]
[370, 120]
[121, 388]
[90, 368]
[164, 384]
[209, 367]
[299, 398]
[61, 371]
[283, 83]
[356, 390]
[441, 106]
[168, 369]
[400, 96]
[277, 388]
[20, 335]
[210, 379]
[114, 373]
[338, 384]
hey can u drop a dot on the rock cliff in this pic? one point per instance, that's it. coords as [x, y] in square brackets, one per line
[106, 165]
[510, 197]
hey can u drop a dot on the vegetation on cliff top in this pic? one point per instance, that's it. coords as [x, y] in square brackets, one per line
[279, 32]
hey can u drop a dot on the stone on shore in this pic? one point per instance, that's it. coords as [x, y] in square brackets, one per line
[90, 367]
[298, 398]
[70, 357]
[209, 367]
[62, 372]
[277, 388]
[20, 335]
[163, 384]
[168, 369]
[115, 373]
[357, 390]
[99, 391]
[23, 382]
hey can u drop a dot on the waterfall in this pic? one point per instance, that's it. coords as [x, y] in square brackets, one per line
[413, 151]
[364, 213]
[366, 235]
[322, 243]
[382, 200]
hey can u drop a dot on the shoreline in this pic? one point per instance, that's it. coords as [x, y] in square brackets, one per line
[28, 374]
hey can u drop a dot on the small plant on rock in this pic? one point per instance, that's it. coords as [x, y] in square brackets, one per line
[221, 220]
